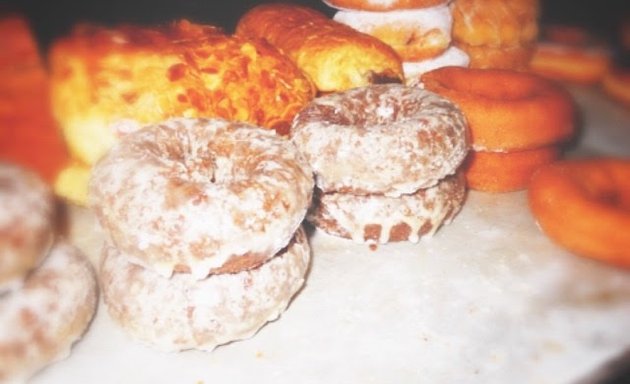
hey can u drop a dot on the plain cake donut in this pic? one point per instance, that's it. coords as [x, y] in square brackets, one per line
[405, 137]
[201, 195]
[27, 211]
[382, 219]
[41, 321]
[185, 313]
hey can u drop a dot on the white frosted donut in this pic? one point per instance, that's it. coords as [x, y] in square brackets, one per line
[415, 34]
[27, 211]
[377, 218]
[453, 56]
[185, 313]
[385, 139]
[201, 195]
[40, 321]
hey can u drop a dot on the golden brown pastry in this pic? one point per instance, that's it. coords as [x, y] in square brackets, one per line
[335, 56]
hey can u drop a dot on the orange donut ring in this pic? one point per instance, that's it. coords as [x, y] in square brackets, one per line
[617, 84]
[505, 171]
[512, 57]
[380, 6]
[576, 64]
[506, 110]
[584, 206]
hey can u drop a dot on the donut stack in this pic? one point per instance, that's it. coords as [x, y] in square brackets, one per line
[496, 33]
[517, 121]
[385, 159]
[47, 288]
[418, 30]
[203, 223]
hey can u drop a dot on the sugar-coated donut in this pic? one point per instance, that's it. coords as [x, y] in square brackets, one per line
[41, 321]
[616, 84]
[500, 172]
[506, 110]
[584, 206]
[570, 63]
[384, 139]
[27, 214]
[453, 56]
[415, 34]
[512, 57]
[377, 218]
[185, 313]
[201, 195]
[383, 5]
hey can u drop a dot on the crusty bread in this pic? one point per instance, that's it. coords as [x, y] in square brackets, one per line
[335, 56]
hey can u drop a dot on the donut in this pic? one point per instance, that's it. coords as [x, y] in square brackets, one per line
[383, 5]
[201, 195]
[382, 219]
[405, 137]
[41, 321]
[453, 56]
[500, 172]
[71, 183]
[506, 110]
[26, 223]
[570, 63]
[509, 57]
[495, 23]
[616, 83]
[415, 34]
[584, 206]
[186, 313]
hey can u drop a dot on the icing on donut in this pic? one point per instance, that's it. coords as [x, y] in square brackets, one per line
[453, 56]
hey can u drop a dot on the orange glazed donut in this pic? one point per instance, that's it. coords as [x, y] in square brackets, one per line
[201, 195]
[506, 110]
[505, 171]
[383, 5]
[584, 206]
[616, 83]
[576, 64]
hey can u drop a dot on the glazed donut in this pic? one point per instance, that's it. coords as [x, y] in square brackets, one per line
[428, 132]
[584, 206]
[509, 57]
[377, 218]
[27, 214]
[570, 63]
[453, 56]
[41, 321]
[185, 313]
[415, 34]
[383, 5]
[499, 172]
[495, 23]
[525, 112]
[616, 83]
[201, 195]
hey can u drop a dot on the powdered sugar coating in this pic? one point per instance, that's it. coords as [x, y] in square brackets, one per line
[386, 139]
[453, 56]
[40, 321]
[185, 313]
[381, 219]
[26, 223]
[196, 194]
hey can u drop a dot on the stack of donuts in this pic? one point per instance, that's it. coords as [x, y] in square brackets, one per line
[496, 33]
[386, 160]
[204, 243]
[48, 290]
[418, 30]
[518, 122]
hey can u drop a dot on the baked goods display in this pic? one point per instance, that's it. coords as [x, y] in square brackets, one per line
[219, 203]
[563, 194]
[102, 77]
[496, 33]
[514, 125]
[333, 55]
[347, 139]
[47, 288]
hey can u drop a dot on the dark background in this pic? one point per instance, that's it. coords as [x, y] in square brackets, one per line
[52, 18]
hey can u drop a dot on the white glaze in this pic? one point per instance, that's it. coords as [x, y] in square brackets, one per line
[453, 56]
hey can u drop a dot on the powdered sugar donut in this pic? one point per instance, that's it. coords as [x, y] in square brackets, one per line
[377, 218]
[383, 139]
[452, 57]
[415, 34]
[26, 223]
[185, 313]
[201, 195]
[40, 321]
